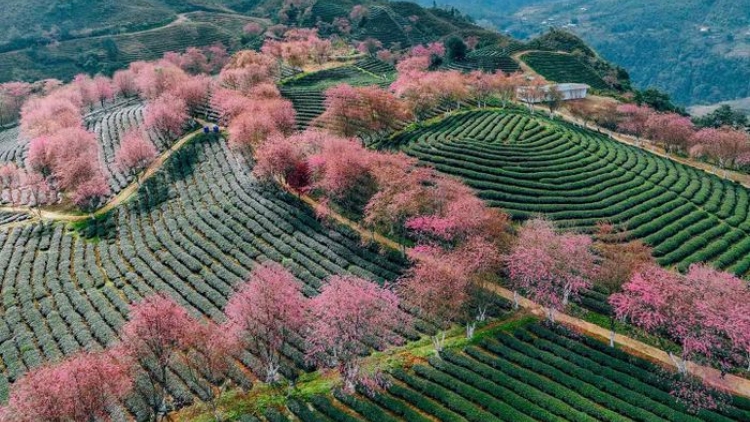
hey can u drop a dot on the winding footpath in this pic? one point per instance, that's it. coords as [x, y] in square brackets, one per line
[116, 200]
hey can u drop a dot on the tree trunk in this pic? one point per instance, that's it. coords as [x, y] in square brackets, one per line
[681, 364]
[272, 373]
[612, 332]
[551, 315]
[438, 341]
[470, 328]
[515, 300]
[482, 316]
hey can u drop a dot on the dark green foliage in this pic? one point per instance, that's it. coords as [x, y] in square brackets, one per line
[558, 40]
[559, 67]
[658, 100]
[529, 165]
[539, 373]
[723, 116]
[455, 49]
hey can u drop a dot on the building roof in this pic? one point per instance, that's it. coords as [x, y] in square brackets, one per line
[561, 87]
[570, 86]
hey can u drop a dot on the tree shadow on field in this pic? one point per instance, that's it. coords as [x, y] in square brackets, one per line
[182, 163]
[153, 192]
[103, 227]
[180, 166]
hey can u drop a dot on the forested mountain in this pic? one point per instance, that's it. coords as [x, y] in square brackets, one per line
[697, 50]
[59, 39]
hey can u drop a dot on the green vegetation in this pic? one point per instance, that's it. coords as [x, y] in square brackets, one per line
[108, 53]
[307, 91]
[528, 373]
[530, 165]
[201, 227]
[560, 67]
[725, 115]
[695, 50]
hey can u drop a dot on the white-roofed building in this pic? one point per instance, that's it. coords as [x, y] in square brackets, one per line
[569, 91]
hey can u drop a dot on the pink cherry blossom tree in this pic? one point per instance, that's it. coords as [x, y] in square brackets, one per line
[12, 97]
[157, 331]
[91, 194]
[103, 89]
[209, 358]
[435, 49]
[551, 268]
[285, 159]
[10, 179]
[195, 91]
[38, 188]
[194, 61]
[75, 153]
[358, 14]
[155, 79]
[268, 310]
[218, 57]
[249, 130]
[247, 69]
[342, 172]
[124, 84]
[253, 29]
[634, 119]
[438, 286]
[48, 115]
[87, 90]
[704, 311]
[229, 104]
[83, 387]
[671, 130]
[320, 50]
[166, 115]
[40, 157]
[387, 56]
[349, 313]
[136, 153]
[369, 46]
[357, 111]
[724, 145]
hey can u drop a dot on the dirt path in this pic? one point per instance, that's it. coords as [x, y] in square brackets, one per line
[115, 201]
[524, 67]
[734, 384]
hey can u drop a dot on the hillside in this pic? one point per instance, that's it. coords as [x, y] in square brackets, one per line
[107, 53]
[59, 40]
[697, 51]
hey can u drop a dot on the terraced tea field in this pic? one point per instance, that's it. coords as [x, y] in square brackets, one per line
[488, 60]
[109, 125]
[536, 374]
[560, 67]
[306, 92]
[531, 165]
[202, 227]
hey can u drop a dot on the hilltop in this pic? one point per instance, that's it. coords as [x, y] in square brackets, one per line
[697, 51]
[40, 40]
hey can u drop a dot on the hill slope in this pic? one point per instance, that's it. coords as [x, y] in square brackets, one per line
[698, 51]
